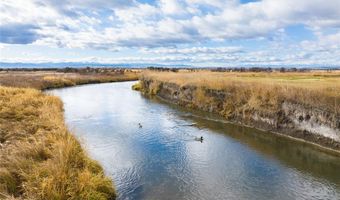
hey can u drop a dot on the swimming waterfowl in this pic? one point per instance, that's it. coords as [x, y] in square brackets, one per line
[140, 125]
[199, 138]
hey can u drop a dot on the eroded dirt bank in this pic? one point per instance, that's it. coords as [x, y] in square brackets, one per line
[264, 110]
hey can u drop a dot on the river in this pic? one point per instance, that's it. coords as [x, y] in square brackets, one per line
[162, 158]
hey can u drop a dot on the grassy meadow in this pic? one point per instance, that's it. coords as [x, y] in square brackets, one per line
[56, 79]
[262, 91]
[40, 158]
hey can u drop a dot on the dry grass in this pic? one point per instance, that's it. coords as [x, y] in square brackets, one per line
[137, 86]
[262, 91]
[54, 79]
[40, 159]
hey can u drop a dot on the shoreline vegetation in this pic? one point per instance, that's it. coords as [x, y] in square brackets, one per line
[303, 105]
[43, 79]
[40, 158]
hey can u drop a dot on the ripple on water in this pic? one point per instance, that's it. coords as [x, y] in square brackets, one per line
[162, 160]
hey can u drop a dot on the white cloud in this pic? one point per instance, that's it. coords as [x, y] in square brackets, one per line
[213, 3]
[138, 13]
[26, 12]
[159, 23]
[172, 7]
[2, 46]
[195, 50]
[165, 27]
[328, 42]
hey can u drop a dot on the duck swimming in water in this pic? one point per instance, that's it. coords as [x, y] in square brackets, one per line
[199, 139]
[140, 125]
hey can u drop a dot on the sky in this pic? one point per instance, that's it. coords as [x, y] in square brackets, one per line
[172, 32]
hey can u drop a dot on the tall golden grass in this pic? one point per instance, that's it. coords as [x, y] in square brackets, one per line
[261, 91]
[40, 159]
[52, 79]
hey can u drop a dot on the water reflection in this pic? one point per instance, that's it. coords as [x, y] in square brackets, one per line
[162, 160]
[301, 156]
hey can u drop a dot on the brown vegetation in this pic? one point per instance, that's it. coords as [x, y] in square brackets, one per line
[40, 159]
[63, 77]
[137, 86]
[263, 91]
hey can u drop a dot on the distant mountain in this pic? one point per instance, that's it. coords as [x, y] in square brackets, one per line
[145, 65]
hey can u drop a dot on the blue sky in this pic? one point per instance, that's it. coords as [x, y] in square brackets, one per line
[193, 32]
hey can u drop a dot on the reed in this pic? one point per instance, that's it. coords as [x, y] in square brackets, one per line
[40, 158]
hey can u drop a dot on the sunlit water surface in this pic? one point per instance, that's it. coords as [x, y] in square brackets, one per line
[162, 160]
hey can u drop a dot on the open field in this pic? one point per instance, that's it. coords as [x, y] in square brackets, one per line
[315, 88]
[40, 159]
[63, 78]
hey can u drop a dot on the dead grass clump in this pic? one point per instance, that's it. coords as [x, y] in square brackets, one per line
[57, 82]
[200, 97]
[154, 87]
[40, 159]
[137, 86]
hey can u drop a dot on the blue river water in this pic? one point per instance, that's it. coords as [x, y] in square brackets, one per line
[162, 158]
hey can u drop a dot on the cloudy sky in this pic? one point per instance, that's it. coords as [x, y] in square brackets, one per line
[194, 32]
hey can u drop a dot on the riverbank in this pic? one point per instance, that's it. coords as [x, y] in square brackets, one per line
[302, 105]
[40, 158]
[47, 79]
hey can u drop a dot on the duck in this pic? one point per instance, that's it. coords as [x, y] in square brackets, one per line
[140, 125]
[199, 139]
